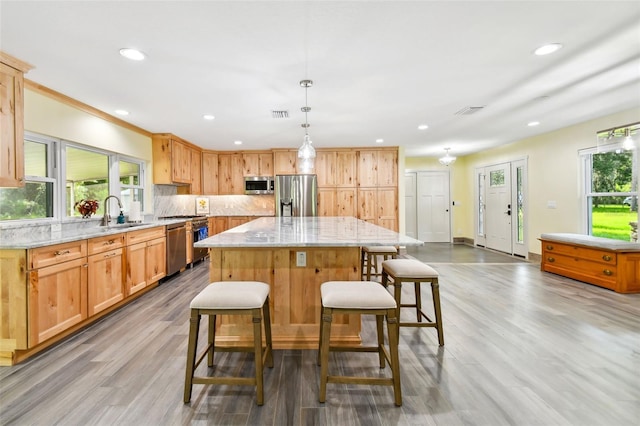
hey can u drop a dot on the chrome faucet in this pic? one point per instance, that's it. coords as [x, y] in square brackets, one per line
[106, 218]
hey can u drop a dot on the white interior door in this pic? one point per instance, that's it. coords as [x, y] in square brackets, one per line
[498, 207]
[434, 217]
[410, 209]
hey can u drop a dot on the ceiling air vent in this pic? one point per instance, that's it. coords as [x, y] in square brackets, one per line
[469, 110]
[279, 114]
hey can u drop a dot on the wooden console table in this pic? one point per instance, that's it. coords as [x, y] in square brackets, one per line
[600, 261]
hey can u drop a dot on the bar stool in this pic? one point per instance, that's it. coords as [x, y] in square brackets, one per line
[410, 270]
[359, 297]
[230, 298]
[369, 259]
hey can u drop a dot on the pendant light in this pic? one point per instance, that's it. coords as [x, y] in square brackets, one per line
[306, 153]
[447, 159]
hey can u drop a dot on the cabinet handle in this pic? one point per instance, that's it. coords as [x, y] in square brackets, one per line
[606, 257]
[110, 255]
[108, 243]
[60, 253]
[550, 259]
[549, 247]
[607, 272]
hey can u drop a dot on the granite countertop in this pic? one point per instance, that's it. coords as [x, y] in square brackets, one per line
[307, 232]
[591, 241]
[29, 242]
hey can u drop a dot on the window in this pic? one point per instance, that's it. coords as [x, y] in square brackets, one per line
[85, 173]
[36, 199]
[611, 186]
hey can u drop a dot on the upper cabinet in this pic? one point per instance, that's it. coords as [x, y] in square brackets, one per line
[257, 163]
[377, 167]
[12, 72]
[230, 175]
[209, 173]
[284, 161]
[173, 161]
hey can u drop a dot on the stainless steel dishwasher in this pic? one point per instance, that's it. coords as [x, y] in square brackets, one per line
[176, 247]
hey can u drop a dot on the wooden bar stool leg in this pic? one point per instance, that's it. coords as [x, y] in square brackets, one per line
[435, 291]
[416, 286]
[257, 346]
[211, 339]
[266, 315]
[393, 329]
[194, 329]
[324, 362]
[380, 330]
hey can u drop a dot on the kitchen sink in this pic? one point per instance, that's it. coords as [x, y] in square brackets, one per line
[120, 226]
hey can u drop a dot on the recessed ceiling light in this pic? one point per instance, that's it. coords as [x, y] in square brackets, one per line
[423, 127]
[533, 123]
[122, 112]
[547, 48]
[133, 54]
[208, 117]
[379, 140]
[237, 142]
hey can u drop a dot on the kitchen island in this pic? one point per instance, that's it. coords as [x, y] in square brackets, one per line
[295, 255]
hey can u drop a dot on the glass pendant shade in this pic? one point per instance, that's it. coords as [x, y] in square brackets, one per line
[306, 155]
[447, 159]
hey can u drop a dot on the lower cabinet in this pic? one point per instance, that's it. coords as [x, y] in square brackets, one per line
[57, 299]
[146, 258]
[106, 278]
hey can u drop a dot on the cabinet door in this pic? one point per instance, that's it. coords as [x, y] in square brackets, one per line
[251, 164]
[387, 166]
[230, 173]
[180, 159]
[106, 280]
[346, 202]
[189, 232]
[136, 268]
[218, 224]
[327, 203]
[196, 172]
[346, 169]
[266, 164]
[156, 259]
[238, 220]
[284, 162]
[367, 169]
[367, 205]
[387, 206]
[209, 173]
[325, 167]
[11, 127]
[57, 299]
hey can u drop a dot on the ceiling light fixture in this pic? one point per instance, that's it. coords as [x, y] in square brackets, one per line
[379, 140]
[627, 143]
[423, 127]
[122, 112]
[133, 54]
[533, 123]
[547, 48]
[237, 142]
[447, 159]
[306, 153]
[208, 117]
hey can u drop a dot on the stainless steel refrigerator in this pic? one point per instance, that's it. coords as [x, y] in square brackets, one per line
[296, 195]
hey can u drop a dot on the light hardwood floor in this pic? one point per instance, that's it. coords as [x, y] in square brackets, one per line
[522, 348]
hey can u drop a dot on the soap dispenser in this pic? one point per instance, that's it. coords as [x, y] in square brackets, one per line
[121, 217]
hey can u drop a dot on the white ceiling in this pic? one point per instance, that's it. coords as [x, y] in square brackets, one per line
[380, 68]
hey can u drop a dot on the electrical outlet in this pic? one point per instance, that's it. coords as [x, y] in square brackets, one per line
[301, 258]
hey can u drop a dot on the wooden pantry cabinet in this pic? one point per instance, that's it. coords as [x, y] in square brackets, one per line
[12, 72]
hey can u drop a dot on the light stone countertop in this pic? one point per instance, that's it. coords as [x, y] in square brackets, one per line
[307, 232]
[25, 241]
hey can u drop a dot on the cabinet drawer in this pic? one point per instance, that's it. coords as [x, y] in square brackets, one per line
[581, 269]
[108, 242]
[134, 237]
[596, 255]
[51, 255]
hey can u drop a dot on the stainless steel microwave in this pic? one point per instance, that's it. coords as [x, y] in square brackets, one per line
[258, 185]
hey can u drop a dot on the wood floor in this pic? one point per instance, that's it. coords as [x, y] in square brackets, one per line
[522, 348]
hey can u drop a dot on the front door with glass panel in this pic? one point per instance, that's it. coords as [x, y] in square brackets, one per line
[499, 210]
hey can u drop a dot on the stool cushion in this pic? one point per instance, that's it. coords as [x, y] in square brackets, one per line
[380, 249]
[408, 268]
[356, 295]
[231, 295]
